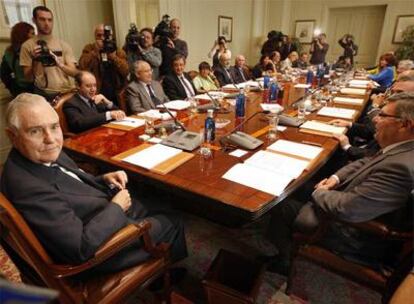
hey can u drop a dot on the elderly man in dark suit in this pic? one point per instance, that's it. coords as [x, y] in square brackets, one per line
[178, 84]
[372, 187]
[222, 71]
[87, 109]
[144, 93]
[240, 72]
[71, 212]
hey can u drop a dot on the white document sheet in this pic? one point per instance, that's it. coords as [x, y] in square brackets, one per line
[359, 82]
[155, 114]
[242, 85]
[302, 86]
[349, 100]
[278, 163]
[337, 112]
[295, 148]
[130, 122]
[176, 105]
[152, 156]
[272, 107]
[322, 127]
[351, 91]
[258, 178]
[214, 94]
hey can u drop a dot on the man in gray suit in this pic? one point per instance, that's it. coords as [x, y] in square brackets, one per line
[372, 187]
[144, 93]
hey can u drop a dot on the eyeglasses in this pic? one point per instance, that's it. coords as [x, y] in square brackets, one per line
[384, 115]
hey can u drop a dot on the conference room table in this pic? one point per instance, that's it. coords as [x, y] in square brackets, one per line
[199, 180]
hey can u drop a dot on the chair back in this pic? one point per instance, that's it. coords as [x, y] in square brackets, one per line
[193, 74]
[58, 106]
[123, 101]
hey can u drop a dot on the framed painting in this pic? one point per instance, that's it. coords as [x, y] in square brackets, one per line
[225, 27]
[304, 30]
[402, 23]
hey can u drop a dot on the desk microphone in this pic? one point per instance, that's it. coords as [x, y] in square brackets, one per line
[176, 121]
[241, 139]
[216, 104]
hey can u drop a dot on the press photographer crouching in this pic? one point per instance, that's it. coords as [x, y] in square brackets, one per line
[139, 46]
[106, 62]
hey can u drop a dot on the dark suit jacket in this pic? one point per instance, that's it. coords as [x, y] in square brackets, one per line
[81, 117]
[237, 76]
[222, 76]
[173, 87]
[138, 99]
[72, 219]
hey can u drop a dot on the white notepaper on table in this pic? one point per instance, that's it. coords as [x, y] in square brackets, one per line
[272, 107]
[156, 114]
[152, 156]
[322, 127]
[337, 112]
[176, 105]
[214, 94]
[238, 153]
[279, 163]
[351, 91]
[295, 148]
[258, 178]
[302, 86]
[348, 100]
[130, 122]
[359, 82]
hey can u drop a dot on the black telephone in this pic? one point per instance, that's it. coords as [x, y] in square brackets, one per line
[243, 140]
[290, 121]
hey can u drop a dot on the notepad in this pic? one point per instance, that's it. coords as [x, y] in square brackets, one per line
[350, 91]
[176, 105]
[359, 82]
[272, 107]
[321, 128]
[214, 94]
[294, 148]
[349, 100]
[156, 114]
[130, 122]
[337, 112]
[302, 86]
[152, 156]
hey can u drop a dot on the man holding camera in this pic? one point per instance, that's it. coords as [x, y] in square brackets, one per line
[139, 46]
[350, 48]
[47, 60]
[107, 63]
[318, 49]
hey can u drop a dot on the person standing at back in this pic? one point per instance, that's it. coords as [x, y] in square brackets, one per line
[318, 49]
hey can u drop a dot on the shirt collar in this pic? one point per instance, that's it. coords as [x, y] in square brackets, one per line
[393, 146]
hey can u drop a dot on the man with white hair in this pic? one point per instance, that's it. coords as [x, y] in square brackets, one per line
[240, 72]
[222, 71]
[405, 65]
[72, 212]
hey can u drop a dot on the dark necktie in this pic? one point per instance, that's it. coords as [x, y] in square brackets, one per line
[188, 89]
[154, 99]
[229, 75]
[92, 104]
[242, 74]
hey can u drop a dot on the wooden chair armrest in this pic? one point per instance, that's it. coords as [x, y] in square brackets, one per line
[68, 135]
[382, 230]
[118, 241]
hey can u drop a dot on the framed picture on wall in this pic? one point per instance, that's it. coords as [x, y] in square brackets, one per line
[402, 23]
[225, 27]
[304, 30]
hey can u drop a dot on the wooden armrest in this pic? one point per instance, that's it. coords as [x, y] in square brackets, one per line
[68, 135]
[118, 241]
[382, 230]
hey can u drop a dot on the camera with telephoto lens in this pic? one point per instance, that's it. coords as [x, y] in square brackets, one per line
[109, 44]
[133, 39]
[44, 56]
[163, 31]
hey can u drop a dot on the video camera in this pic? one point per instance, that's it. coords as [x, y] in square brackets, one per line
[109, 44]
[45, 57]
[163, 31]
[133, 39]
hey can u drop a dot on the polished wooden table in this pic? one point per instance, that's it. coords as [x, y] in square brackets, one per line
[199, 179]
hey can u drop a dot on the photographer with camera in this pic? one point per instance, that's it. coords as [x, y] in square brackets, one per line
[273, 43]
[318, 49]
[139, 46]
[166, 39]
[218, 49]
[46, 60]
[349, 46]
[107, 63]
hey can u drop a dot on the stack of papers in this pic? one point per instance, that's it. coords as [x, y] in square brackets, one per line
[295, 148]
[152, 156]
[348, 100]
[129, 122]
[302, 86]
[350, 91]
[337, 112]
[156, 114]
[272, 107]
[242, 85]
[214, 94]
[176, 105]
[322, 127]
[358, 82]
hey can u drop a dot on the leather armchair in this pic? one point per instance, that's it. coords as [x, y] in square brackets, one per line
[38, 268]
[57, 104]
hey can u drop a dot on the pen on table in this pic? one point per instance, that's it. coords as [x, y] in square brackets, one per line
[311, 143]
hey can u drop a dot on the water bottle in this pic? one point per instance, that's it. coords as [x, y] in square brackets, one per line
[274, 91]
[266, 80]
[209, 127]
[309, 77]
[240, 105]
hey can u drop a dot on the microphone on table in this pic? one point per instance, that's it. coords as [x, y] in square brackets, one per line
[241, 139]
[215, 105]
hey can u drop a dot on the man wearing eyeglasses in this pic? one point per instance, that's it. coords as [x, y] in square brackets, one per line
[372, 187]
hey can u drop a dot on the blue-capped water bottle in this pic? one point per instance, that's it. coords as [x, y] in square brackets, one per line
[266, 80]
[309, 77]
[274, 92]
[240, 105]
[209, 127]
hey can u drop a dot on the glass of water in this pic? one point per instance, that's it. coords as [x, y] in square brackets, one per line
[301, 110]
[273, 123]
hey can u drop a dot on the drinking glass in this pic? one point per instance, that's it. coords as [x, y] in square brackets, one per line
[149, 126]
[301, 110]
[273, 123]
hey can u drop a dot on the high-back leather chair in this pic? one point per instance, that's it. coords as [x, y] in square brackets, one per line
[58, 103]
[123, 101]
[307, 247]
[24, 247]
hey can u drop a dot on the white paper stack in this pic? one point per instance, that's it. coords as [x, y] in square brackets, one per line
[152, 156]
[130, 122]
[272, 107]
[351, 91]
[349, 100]
[176, 105]
[337, 112]
[302, 86]
[242, 85]
[214, 94]
[295, 148]
[356, 83]
[156, 114]
[322, 127]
